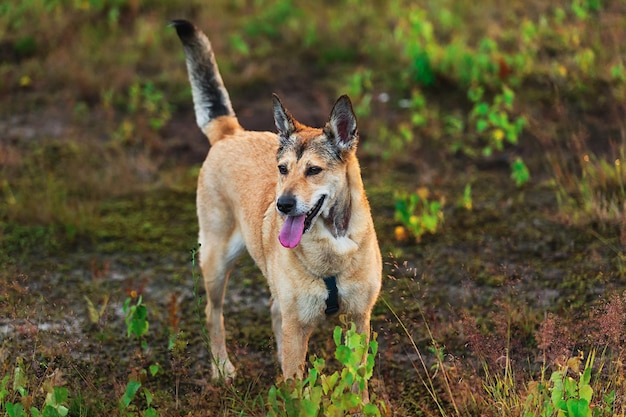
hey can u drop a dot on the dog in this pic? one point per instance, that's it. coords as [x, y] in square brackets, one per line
[295, 200]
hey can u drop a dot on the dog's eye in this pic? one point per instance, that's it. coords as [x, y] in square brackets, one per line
[314, 170]
[283, 170]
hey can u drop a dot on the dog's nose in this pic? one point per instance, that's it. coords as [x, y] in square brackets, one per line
[286, 203]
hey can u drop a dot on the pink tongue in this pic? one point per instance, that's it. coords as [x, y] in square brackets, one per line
[292, 231]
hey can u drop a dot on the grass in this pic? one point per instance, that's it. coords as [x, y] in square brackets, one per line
[515, 114]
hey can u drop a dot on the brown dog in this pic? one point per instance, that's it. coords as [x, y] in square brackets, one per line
[296, 202]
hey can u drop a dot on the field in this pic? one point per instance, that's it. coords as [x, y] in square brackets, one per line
[492, 143]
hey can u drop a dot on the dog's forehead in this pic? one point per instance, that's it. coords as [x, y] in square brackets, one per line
[310, 143]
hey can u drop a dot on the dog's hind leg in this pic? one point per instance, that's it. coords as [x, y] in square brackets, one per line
[217, 256]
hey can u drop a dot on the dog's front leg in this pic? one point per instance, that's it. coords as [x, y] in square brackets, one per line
[294, 347]
[277, 327]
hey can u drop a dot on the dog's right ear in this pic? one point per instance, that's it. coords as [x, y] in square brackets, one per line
[285, 123]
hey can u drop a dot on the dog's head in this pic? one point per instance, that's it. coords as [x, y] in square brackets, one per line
[312, 177]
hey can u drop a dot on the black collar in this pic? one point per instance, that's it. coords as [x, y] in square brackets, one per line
[332, 302]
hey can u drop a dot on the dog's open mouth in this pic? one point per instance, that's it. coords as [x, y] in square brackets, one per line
[295, 226]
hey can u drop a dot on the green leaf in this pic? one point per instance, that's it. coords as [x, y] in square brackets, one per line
[148, 396]
[312, 379]
[475, 94]
[585, 378]
[571, 387]
[338, 331]
[60, 395]
[423, 72]
[342, 354]
[374, 346]
[586, 392]
[271, 397]
[329, 382]
[481, 125]
[50, 411]
[20, 381]
[15, 410]
[481, 109]
[371, 410]
[309, 408]
[154, 369]
[150, 412]
[131, 389]
[430, 222]
[350, 400]
[239, 44]
[578, 408]
[520, 173]
[3, 391]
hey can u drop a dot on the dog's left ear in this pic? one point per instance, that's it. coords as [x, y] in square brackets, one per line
[341, 128]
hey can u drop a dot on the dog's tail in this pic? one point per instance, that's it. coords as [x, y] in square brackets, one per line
[214, 112]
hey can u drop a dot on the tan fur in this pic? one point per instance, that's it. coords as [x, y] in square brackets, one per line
[221, 127]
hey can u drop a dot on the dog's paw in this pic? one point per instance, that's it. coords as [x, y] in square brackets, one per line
[223, 371]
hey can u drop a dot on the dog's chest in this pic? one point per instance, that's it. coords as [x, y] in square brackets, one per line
[324, 262]
[325, 255]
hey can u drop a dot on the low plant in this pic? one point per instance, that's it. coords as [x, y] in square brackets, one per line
[16, 400]
[147, 111]
[337, 394]
[493, 122]
[418, 213]
[126, 406]
[568, 393]
[136, 317]
[597, 193]
[137, 326]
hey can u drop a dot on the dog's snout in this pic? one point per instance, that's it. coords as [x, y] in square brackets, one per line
[286, 203]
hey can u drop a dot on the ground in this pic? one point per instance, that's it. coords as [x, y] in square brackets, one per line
[112, 219]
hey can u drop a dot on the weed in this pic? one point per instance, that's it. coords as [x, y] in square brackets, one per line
[492, 121]
[466, 201]
[136, 318]
[598, 192]
[16, 399]
[130, 393]
[96, 315]
[336, 394]
[418, 213]
[137, 326]
[147, 111]
[565, 395]
[519, 172]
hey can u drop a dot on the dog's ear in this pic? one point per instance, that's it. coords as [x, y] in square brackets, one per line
[285, 123]
[341, 128]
